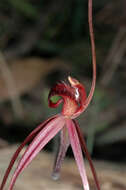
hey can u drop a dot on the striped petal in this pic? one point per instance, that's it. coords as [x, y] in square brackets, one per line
[75, 143]
[43, 137]
[28, 138]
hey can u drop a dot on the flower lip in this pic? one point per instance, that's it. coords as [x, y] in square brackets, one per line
[73, 96]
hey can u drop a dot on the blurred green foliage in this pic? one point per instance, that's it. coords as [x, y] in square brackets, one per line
[24, 7]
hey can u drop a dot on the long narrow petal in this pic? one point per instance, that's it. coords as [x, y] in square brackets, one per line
[28, 138]
[74, 140]
[64, 144]
[84, 148]
[43, 137]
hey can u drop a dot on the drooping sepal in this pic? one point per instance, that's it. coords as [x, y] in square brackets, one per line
[42, 138]
[76, 147]
[64, 144]
[28, 139]
[85, 150]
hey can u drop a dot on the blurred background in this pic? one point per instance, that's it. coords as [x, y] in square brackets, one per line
[42, 42]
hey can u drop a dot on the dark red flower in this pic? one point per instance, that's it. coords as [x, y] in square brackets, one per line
[75, 101]
[73, 96]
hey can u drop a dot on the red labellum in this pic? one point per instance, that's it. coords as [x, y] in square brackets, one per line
[73, 96]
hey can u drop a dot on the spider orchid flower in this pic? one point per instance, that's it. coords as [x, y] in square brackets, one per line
[75, 101]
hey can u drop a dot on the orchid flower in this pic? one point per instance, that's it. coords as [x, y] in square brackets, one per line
[74, 99]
